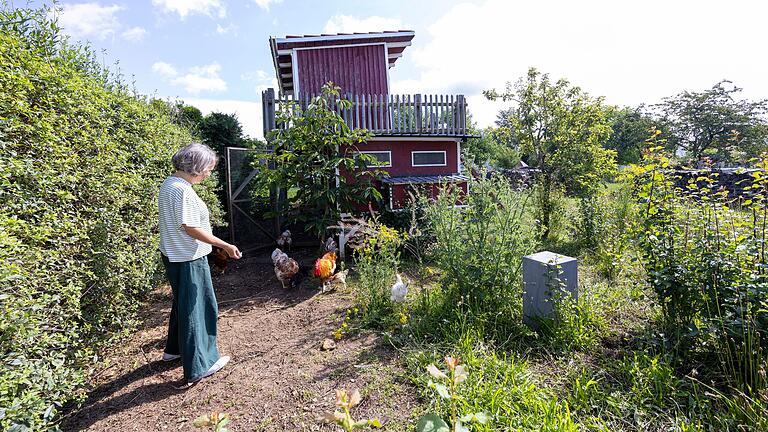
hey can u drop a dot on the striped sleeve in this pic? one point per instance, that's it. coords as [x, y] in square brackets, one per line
[187, 209]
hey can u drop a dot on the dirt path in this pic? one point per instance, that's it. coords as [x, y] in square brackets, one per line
[279, 379]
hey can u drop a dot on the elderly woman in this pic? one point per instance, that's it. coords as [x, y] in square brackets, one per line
[185, 240]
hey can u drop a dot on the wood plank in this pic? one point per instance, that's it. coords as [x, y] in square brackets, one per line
[387, 104]
[371, 116]
[365, 116]
[441, 117]
[379, 117]
[399, 115]
[453, 115]
[357, 111]
[375, 119]
[431, 116]
[417, 110]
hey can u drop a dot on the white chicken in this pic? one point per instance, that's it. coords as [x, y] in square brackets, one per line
[399, 290]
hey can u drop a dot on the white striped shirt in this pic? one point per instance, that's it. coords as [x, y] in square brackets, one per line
[178, 205]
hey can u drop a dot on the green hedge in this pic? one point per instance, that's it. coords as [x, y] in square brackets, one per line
[81, 158]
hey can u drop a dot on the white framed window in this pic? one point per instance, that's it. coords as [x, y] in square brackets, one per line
[383, 158]
[428, 158]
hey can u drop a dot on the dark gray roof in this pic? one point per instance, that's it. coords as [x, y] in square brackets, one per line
[451, 178]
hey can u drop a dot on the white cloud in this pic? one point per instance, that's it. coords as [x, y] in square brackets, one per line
[164, 69]
[197, 80]
[247, 112]
[351, 24]
[212, 8]
[134, 34]
[232, 28]
[263, 80]
[86, 20]
[264, 4]
[630, 52]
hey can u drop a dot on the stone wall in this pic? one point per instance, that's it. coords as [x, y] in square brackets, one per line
[734, 180]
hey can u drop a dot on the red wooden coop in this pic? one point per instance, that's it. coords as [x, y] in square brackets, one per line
[417, 137]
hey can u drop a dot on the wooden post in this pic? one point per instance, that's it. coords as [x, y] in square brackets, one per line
[417, 111]
[268, 110]
[229, 196]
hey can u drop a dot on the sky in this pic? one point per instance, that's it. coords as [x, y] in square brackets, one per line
[214, 54]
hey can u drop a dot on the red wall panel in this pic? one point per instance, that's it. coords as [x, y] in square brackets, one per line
[401, 156]
[356, 69]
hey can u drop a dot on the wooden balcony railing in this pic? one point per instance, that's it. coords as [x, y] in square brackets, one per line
[386, 115]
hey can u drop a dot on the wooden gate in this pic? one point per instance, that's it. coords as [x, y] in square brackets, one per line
[248, 202]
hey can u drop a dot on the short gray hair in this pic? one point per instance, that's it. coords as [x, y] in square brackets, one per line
[194, 158]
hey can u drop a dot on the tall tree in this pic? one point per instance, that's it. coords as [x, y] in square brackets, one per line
[631, 129]
[714, 124]
[219, 131]
[562, 130]
[484, 147]
[189, 116]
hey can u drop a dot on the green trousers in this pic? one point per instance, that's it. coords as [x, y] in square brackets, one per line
[194, 312]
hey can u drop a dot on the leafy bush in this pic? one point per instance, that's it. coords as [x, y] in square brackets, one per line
[309, 153]
[478, 250]
[376, 263]
[704, 253]
[81, 158]
[606, 224]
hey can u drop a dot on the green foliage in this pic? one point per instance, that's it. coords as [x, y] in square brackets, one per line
[630, 129]
[81, 160]
[561, 130]
[652, 379]
[478, 250]
[188, 116]
[705, 257]
[376, 263]
[498, 389]
[342, 416]
[446, 385]
[219, 131]
[488, 146]
[714, 124]
[605, 226]
[316, 159]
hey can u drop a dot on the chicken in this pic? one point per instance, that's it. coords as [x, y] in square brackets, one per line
[339, 279]
[325, 267]
[399, 290]
[284, 240]
[285, 268]
[219, 260]
[330, 245]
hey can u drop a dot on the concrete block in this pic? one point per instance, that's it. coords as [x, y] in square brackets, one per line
[541, 280]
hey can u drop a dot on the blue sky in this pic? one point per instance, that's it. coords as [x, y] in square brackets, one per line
[214, 54]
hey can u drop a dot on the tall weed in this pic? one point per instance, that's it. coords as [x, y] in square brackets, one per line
[478, 250]
[704, 253]
[376, 263]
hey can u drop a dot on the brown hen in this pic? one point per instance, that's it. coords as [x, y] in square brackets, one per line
[285, 267]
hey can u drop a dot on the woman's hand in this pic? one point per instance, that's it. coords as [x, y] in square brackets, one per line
[206, 237]
[232, 251]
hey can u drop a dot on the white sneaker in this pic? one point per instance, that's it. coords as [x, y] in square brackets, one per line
[220, 363]
[170, 357]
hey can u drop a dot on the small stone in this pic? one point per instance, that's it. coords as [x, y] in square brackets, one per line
[328, 345]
